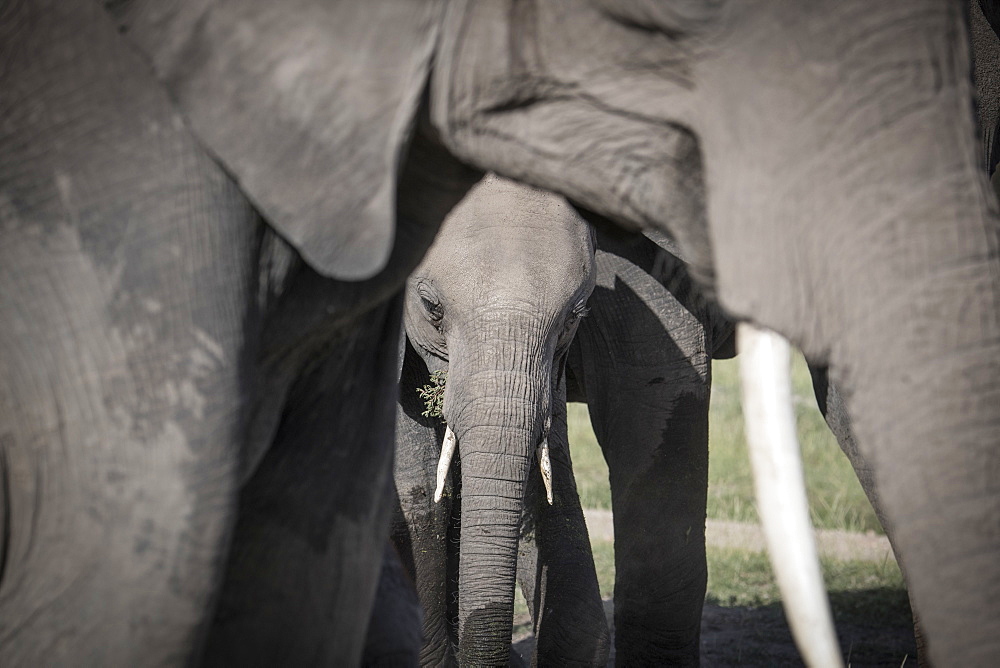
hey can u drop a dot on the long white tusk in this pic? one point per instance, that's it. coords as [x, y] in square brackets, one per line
[447, 452]
[545, 464]
[765, 375]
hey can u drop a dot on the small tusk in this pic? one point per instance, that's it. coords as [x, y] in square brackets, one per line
[545, 464]
[447, 452]
[765, 375]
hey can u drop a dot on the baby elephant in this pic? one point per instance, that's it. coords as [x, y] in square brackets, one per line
[494, 306]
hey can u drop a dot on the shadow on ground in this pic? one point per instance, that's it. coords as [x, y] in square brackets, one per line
[873, 627]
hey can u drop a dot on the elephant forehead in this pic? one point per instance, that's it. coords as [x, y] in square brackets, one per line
[500, 200]
[507, 234]
[513, 273]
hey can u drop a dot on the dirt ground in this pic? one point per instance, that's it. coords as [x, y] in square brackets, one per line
[842, 545]
[759, 637]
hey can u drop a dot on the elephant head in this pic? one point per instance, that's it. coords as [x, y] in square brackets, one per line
[495, 304]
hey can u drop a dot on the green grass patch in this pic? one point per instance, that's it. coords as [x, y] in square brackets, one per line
[835, 496]
[589, 467]
[861, 592]
[604, 562]
[836, 500]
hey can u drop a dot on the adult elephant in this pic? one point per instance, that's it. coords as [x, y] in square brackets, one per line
[834, 140]
[494, 306]
[192, 419]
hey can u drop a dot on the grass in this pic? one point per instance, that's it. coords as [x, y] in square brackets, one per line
[835, 497]
[589, 467]
[861, 593]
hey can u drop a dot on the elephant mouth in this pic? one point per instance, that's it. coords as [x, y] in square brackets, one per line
[449, 444]
[444, 463]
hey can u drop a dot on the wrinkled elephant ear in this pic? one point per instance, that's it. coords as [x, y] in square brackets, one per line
[307, 103]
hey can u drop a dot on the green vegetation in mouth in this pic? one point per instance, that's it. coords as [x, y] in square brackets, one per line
[432, 394]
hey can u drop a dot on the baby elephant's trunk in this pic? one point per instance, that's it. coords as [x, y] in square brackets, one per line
[498, 434]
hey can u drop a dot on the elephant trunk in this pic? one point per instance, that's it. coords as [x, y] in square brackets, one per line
[927, 421]
[499, 431]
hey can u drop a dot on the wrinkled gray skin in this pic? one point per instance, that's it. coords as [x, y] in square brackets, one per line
[641, 360]
[817, 163]
[984, 18]
[496, 303]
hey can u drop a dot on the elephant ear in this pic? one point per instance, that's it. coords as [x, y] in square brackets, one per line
[308, 104]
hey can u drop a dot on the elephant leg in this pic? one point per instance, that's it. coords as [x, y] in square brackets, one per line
[645, 368]
[422, 528]
[127, 269]
[555, 564]
[314, 516]
[394, 637]
[831, 405]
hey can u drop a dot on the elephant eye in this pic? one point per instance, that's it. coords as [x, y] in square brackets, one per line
[433, 310]
[432, 306]
[579, 311]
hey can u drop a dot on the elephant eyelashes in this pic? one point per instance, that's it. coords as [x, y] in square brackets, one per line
[579, 311]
